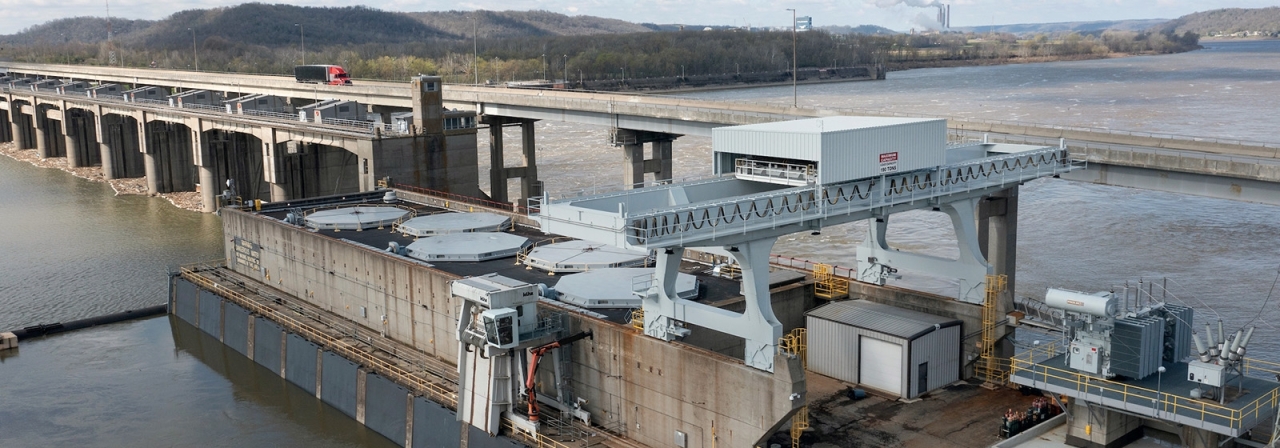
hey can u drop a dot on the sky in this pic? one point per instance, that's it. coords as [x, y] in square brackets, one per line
[900, 15]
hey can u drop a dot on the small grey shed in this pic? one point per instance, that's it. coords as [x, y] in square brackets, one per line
[901, 352]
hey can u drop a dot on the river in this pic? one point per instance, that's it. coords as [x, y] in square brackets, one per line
[70, 249]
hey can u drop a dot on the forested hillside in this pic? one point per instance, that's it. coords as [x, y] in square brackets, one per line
[511, 24]
[1228, 21]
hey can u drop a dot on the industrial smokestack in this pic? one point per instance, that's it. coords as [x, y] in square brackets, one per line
[948, 17]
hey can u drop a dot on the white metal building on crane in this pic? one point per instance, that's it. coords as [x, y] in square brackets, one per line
[800, 176]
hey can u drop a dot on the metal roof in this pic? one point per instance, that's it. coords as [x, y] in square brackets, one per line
[827, 124]
[882, 318]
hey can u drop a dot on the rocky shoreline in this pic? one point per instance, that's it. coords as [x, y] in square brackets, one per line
[187, 200]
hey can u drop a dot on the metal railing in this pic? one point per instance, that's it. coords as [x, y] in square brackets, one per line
[689, 224]
[1025, 365]
[788, 173]
[340, 347]
[367, 127]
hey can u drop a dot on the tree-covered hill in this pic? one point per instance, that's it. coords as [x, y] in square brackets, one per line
[1228, 21]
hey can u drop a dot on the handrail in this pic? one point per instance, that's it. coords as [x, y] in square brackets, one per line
[368, 127]
[1167, 402]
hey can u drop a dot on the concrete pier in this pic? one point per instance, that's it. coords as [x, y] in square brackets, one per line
[499, 173]
[635, 165]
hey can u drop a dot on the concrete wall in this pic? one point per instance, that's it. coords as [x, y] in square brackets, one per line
[385, 407]
[648, 387]
[442, 163]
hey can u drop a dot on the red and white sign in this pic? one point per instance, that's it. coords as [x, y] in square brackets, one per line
[889, 162]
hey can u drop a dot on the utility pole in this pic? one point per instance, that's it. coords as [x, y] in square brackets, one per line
[302, 35]
[566, 71]
[194, 52]
[793, 57]
[475, 47]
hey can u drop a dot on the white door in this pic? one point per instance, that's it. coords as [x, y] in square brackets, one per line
[880, 365]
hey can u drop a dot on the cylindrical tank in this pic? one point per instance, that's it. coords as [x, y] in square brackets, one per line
[1079, 302]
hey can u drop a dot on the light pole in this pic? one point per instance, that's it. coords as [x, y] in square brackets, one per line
[194, 53]
[1159, 377]
[302, 36]
[566, 69]
[793, 57]
[544, 66]
[475, 47]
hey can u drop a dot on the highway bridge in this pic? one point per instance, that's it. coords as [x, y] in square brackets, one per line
[1185, 164]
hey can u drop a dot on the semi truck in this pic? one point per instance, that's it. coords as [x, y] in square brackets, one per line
[322, 74]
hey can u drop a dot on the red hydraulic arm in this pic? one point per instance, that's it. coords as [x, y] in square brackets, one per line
[535, 354]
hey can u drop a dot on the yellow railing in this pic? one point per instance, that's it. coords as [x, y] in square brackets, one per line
[829, 286]
[799, 423]
[343, 348]
[1024, 363]
[796, 343]
[637, 319]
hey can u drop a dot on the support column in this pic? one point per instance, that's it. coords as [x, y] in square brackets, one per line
[877, 261]
[42, 145]
[529, 184]
[497, 173]
[1092, 426]
[632, 165]
[71, 138]
[998, 234]
[104, 146]
[5, 125]
[279, 193]
[17, 126]
[208, 189]
[662, 153]
[148, 156]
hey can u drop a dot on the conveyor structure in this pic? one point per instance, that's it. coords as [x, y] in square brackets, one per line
[800, 176]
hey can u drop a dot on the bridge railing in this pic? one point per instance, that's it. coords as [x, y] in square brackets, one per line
[369, 127]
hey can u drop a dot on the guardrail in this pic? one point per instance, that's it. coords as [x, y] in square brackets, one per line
[367, 127]
[1025, 364]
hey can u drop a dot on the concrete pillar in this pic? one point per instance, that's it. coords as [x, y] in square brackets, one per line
[71, 138]
[497, 173]
[1092, 426]
[5, 127]
[529, 184]
[153, 173]
[17, 128]
[998, 232]
[633, 165]
[208, 190]
[662, 153]
[149, 164]
[42, 145]
[362, 378]
[104, 146]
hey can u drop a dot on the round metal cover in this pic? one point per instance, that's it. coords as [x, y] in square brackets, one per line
[355, 218]
[617, 287]
[578, 256]
[475, 246]
[446, 223]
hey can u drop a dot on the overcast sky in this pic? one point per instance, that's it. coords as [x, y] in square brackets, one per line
[900, 15]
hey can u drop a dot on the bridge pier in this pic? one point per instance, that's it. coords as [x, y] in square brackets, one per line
[118, 147]
[635, 166]
[5, 127]
[499, 173]
[78, 134]
[24, 130]
[168, 158]
[40, 125]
